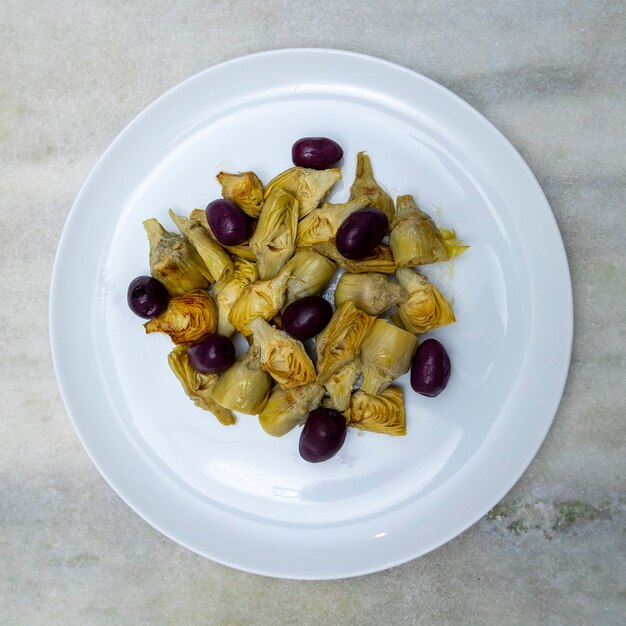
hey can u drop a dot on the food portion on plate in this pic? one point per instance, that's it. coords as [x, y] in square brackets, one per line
[256, 261]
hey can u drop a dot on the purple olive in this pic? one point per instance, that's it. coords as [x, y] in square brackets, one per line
[228, 222]
[213, 355]
[317, 153]
[322, 436]
[147, 297]
[306, 317]
[430, 371]
[361, 232]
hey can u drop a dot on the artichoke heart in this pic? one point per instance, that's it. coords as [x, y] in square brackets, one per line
[309, 274]
[263, 298]
[243, 250]
[341, 383]
[426, 308]
[228, 288]
[287, 408]
[365, 185]
[198, 386]
[244, 189]
[213, 255]
[308, 186]
[340, 342]
[282, 356]
[174, 262]
[187, 318]
[373, 293]
[274, 240]
[382, 413]
[381, 261]
[321, 224]
[244, 386]
[386, 353]
[415, 240]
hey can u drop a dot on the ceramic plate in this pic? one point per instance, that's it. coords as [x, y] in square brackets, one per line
[234, 494]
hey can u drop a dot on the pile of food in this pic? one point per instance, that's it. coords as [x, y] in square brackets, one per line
[255, 263]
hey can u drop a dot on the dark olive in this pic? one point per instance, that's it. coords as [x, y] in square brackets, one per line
[213, 355]
[147, 297]
[361, 232]
[306, 317]
[228, 222]
[430, 371]
[322, 436]
[317, 153]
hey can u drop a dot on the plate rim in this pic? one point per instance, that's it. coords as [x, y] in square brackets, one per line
[560, 252]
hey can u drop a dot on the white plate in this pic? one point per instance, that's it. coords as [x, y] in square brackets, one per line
[235, 494]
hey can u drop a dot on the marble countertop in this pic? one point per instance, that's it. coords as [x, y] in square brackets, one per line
[550, 76]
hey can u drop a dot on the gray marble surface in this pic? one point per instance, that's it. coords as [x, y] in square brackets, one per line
[550, 75]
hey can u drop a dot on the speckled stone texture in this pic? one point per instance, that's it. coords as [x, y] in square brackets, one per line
[550, 75]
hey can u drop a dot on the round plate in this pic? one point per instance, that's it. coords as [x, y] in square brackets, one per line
[234, 494]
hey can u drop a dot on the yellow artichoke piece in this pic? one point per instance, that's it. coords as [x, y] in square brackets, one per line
[426, 307]
[382, 413]
[340, 342]
[282, 357]
[263, 298]
[174, 262]
[321, 224]
[415, 240]
[341, 383]
[244, 189]
[365, 185]
[215, 258]
[454, 247]
[188, 318]
[274, 240]
[308, 186]
[386, 353]
[244, 386]
[373, 293]
[243, 250]
[287, 408]
[309, 272]
[227, 290]
[381, 261]
[198, 386]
